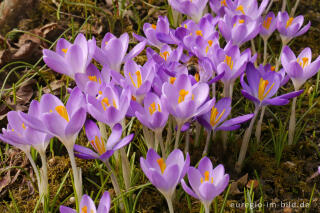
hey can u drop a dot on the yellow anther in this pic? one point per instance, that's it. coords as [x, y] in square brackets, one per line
[212, 180]
[159, 109]
[304, 62]
[289, 22]
[206, 176]
[172, 80]
[273, 68]
[139, 79]
[266, 24]
[98, 145]
[240, 8]
[241, 21]
[50, 110]
[104, 102]
[12, 130]
[185, 26]
[199, 33]
[229, 61]
[192, 97]
[100, 92]
[213, 117]
[84, 209]
[114, 103]
[182, 95]
[161, 164]
[92, 78]
[23, 126]
[223, 3]
[65, 50]
[197, 77]
[153, 26]
[262, 87]
[210, 42]
[152, 108]
[62, 111]
[164, 55]
[106, 43]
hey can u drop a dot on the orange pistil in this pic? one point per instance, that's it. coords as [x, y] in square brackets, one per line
[289, 22]
[266, 24]
[262, 94]
[98, 145]
[161, 164]
[62, 111]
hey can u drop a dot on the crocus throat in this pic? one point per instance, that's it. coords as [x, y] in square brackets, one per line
[267, 23]
[153, 109]
[223, 3]
[182, 94]
[164, 55]
[213, 117]
[206, 177]
[289, 22]
[62, 111]
[139, 79]
[229, 61]
[240, 8]
[262, 93]
[304, 62]
[105, 101]
[154, 26]
[98, 145]
[161, 164]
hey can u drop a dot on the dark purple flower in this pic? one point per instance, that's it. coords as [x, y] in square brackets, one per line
[103, 150]
[262, 87]
[68, 58]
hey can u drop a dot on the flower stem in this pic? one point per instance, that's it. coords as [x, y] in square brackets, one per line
[284, 5]
[265, 52]
[205, 150]
[169, 133]
[76, 176]
[158, 139]
[187, 141]
[258, 128]
[147, 136]
[169, 202]
[125, 168]
[114, 180]
[44, 175]
[245, 141]
[35, 169]
[206, 208]
[198, 132]
[176, 144]
[292, 122]
[293, 11]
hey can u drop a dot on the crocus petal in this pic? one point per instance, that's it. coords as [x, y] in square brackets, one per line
[76, 122]
[84, 151]
[187, 189]
[64, 209]
[86, 202]
[105, 203]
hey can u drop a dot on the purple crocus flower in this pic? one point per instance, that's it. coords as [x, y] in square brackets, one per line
[268, 68]
[193, 9]
[87, 205]
[215, 119]
[68, 58]
[103, 150]
[262, 87]
[113, 51]
[219, 6]
[290, 27]
[300, 68]
[56, 119]
[151, 32]
[206, 182]
[153, 115]
[184, 100]
[110, 106]
[246, 7]
[268, 26]
[165, 174]
[91, 81]
[239, 29]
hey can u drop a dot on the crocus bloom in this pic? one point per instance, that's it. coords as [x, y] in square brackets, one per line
[246, 7]
[218, 6]
[68, 58]
[90, 82]
[206, 182]
[239, 29]
[151, 31]
[215, 119]
[87, 205]
[194, 9]
[165, 174]
[153, 114]
[262, 87]
[290, 27]
[300, 68]
[103, 150]
[113, 51]
[184, 100]
[268, 68]
[268, 26]
[64, 122]
[110, 106]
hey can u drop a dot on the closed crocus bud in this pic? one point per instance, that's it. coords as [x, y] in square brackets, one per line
[70, 59]
[206, 182]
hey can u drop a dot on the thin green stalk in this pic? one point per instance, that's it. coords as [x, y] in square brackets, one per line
[205, 150]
